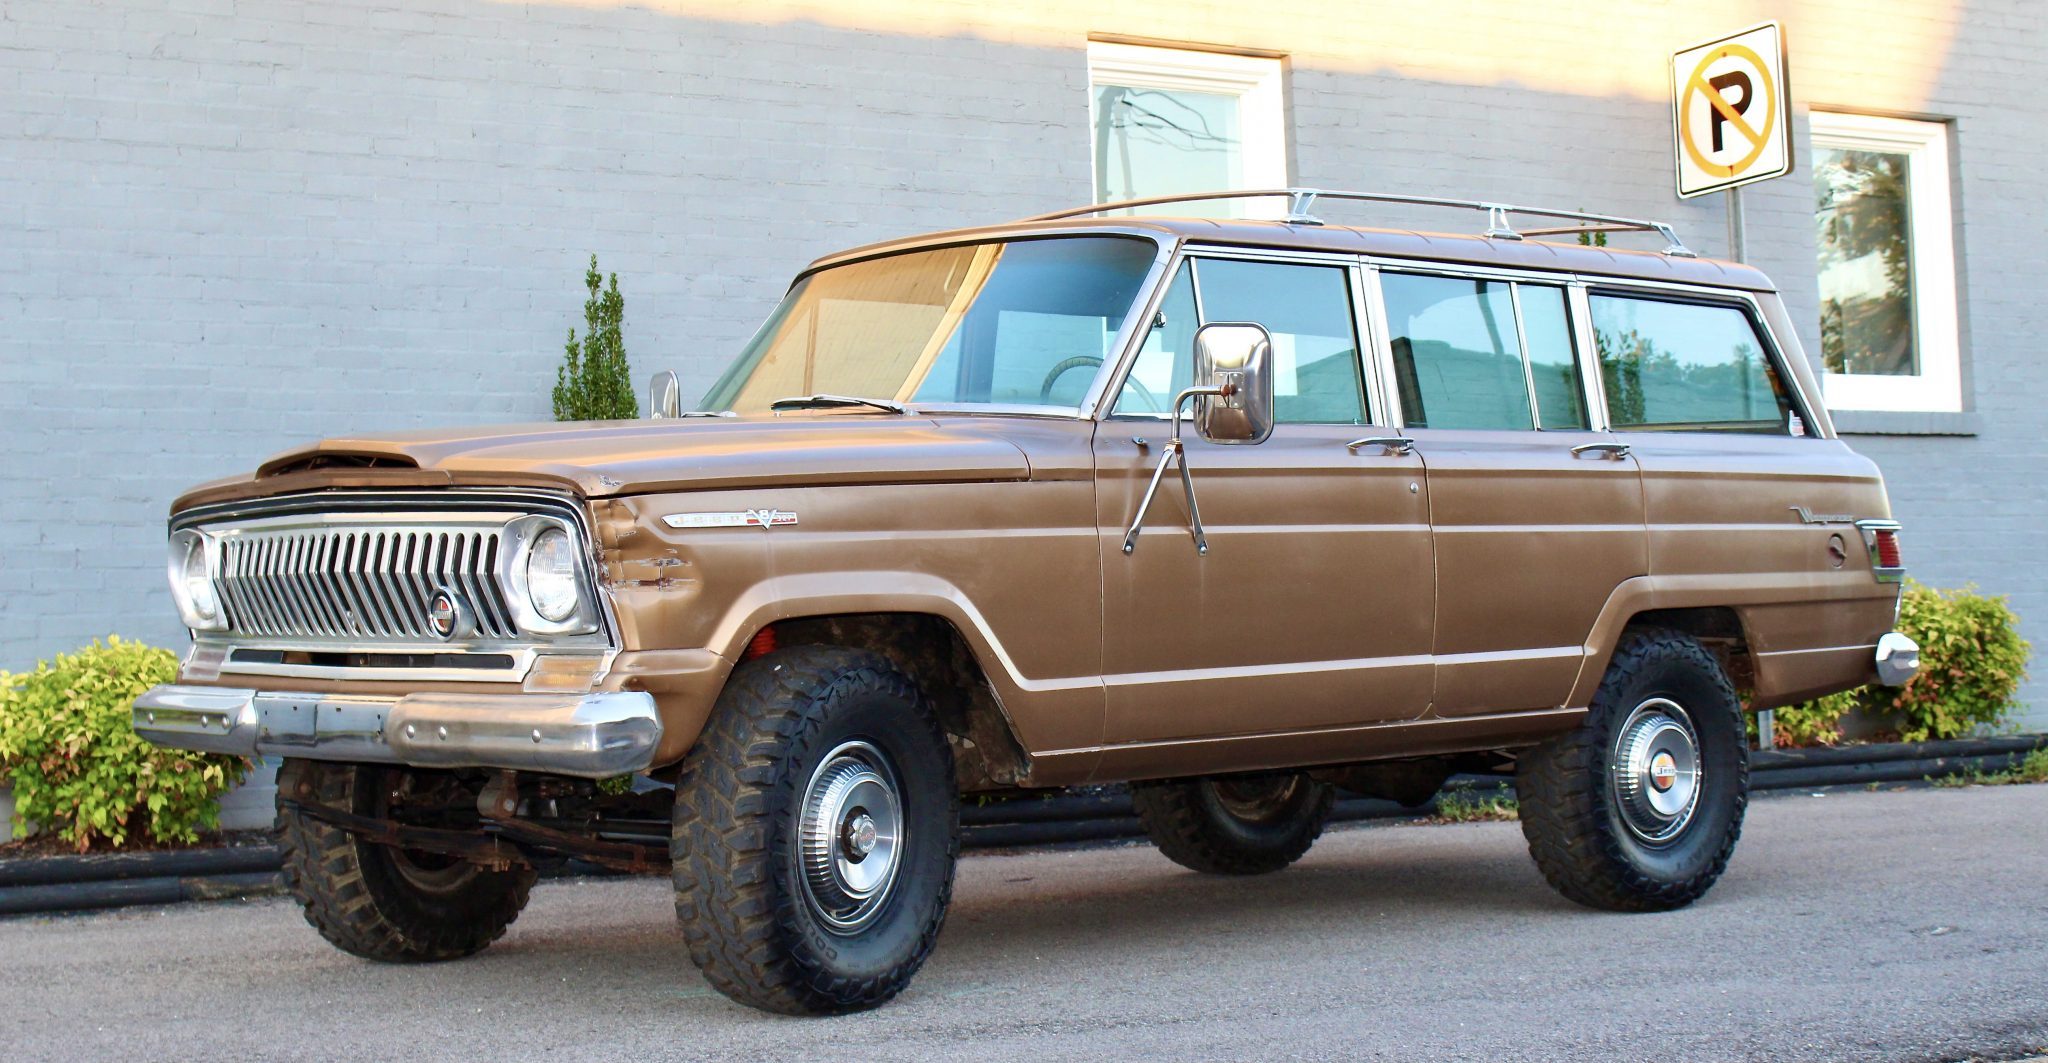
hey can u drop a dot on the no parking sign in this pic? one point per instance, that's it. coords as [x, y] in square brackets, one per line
[1731, 114]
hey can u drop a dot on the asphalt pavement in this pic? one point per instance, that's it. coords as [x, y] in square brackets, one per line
[1850, 926]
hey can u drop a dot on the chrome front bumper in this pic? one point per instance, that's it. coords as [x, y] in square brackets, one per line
[1898, 659]
[590, 735]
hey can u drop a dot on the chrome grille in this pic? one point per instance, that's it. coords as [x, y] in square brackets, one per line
[360, 583]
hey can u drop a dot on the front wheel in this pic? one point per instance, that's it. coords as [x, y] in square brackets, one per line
[816, 828]
[1639, 808]
[378, 901]
[1238, 825]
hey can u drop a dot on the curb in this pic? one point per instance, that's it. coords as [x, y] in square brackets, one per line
[116, 880]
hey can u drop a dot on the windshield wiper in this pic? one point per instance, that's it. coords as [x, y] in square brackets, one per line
[815, 402]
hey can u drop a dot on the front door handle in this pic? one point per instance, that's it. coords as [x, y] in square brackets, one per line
[1617, 451]
[1392, 444]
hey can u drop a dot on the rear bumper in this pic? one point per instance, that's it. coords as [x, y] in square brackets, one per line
[1898, 659]
[588, 735]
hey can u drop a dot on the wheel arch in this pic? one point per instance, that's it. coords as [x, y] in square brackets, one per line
[1638, 603]
[932, 651]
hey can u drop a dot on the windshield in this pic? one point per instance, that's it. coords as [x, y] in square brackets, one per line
[1017, 322]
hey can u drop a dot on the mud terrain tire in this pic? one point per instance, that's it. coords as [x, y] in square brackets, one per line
[376, 901]
[794, 738]
[1238, 825]
[1593, 837]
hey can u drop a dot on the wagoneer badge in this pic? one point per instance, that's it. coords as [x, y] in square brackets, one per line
[751, 518]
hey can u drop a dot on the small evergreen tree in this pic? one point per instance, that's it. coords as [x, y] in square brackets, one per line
[594, 382]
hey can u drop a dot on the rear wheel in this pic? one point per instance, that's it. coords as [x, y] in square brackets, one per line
[816, 828]
[1640, 807]
[378, 901]
[1236, 825]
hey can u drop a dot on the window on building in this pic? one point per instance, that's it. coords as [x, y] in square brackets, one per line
[1887, 263]
[1170, 120]
[1675, 366]
[1305, 308]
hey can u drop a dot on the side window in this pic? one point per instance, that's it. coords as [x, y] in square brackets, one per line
[1686, 366]
[1306, 308]
[1457, 359]
[1166, 361]
[1553, 359]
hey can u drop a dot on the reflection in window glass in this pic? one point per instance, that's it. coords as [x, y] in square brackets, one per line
[1866, 258]
[1307, 311]
[1158, 142]
[1027, 321]
[1456, 358]
[1685, 366]
[1166, 361]
[1553, 362]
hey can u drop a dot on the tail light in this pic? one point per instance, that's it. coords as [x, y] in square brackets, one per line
[1882, 538]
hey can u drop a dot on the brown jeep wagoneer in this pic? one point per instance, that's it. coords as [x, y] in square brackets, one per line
[1239, 512]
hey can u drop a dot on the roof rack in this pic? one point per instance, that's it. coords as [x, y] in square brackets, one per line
[1300, 200]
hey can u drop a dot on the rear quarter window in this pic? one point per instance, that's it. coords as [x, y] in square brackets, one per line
[1684, 366]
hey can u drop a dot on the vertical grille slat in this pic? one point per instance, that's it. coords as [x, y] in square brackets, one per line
[260, 581]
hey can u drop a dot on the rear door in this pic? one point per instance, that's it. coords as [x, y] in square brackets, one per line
[1537, 516]
[1313, 607]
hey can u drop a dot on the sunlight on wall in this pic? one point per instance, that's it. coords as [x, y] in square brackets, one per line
[1882, 53]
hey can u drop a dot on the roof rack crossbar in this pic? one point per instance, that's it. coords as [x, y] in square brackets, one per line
[1300, 202]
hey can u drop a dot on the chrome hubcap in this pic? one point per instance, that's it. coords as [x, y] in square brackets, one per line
[1655, 776]
[850, 836]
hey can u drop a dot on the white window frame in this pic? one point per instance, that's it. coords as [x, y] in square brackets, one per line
[1930, 232]
[1255, 81]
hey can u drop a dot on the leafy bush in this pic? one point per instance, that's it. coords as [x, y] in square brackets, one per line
[1972, 660]
[79, 769]
[1812, 723]
[594, 382]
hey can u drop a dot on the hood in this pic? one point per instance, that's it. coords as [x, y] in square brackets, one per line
[603, 458]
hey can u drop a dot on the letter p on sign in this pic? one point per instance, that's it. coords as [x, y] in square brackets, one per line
[1731, 115]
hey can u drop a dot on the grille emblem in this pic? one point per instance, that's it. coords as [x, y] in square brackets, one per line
[446, 615]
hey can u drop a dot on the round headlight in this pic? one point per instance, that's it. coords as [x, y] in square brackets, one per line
[551, 576]
[193, 582]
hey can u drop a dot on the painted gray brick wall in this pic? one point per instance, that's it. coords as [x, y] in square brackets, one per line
[227, 227]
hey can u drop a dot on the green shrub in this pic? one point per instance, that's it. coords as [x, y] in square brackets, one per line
[594, 383]
[1813, 723]
[1972, 660]
[78, 767]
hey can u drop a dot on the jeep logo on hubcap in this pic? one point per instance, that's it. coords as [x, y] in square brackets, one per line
[1663, 771]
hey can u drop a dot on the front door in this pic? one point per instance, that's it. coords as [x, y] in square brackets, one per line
[1537, 517]
[1313, 607]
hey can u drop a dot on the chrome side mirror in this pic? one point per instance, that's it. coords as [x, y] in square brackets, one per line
[1233, 397]
[1235, 362]
[664, 396]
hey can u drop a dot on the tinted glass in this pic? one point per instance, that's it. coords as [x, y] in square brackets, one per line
[1678, 365]
[1021, 322]
[1306, 309]
[1456, 358]
[1553, 363]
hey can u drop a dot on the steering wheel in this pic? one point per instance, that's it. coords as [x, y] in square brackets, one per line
[1053, 375]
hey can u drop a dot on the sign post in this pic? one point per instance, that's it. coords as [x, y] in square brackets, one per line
[1731, 125]
[1731, 118]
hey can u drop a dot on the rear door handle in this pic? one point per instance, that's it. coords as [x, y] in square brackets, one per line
[1391, 444]
[1616, 451]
